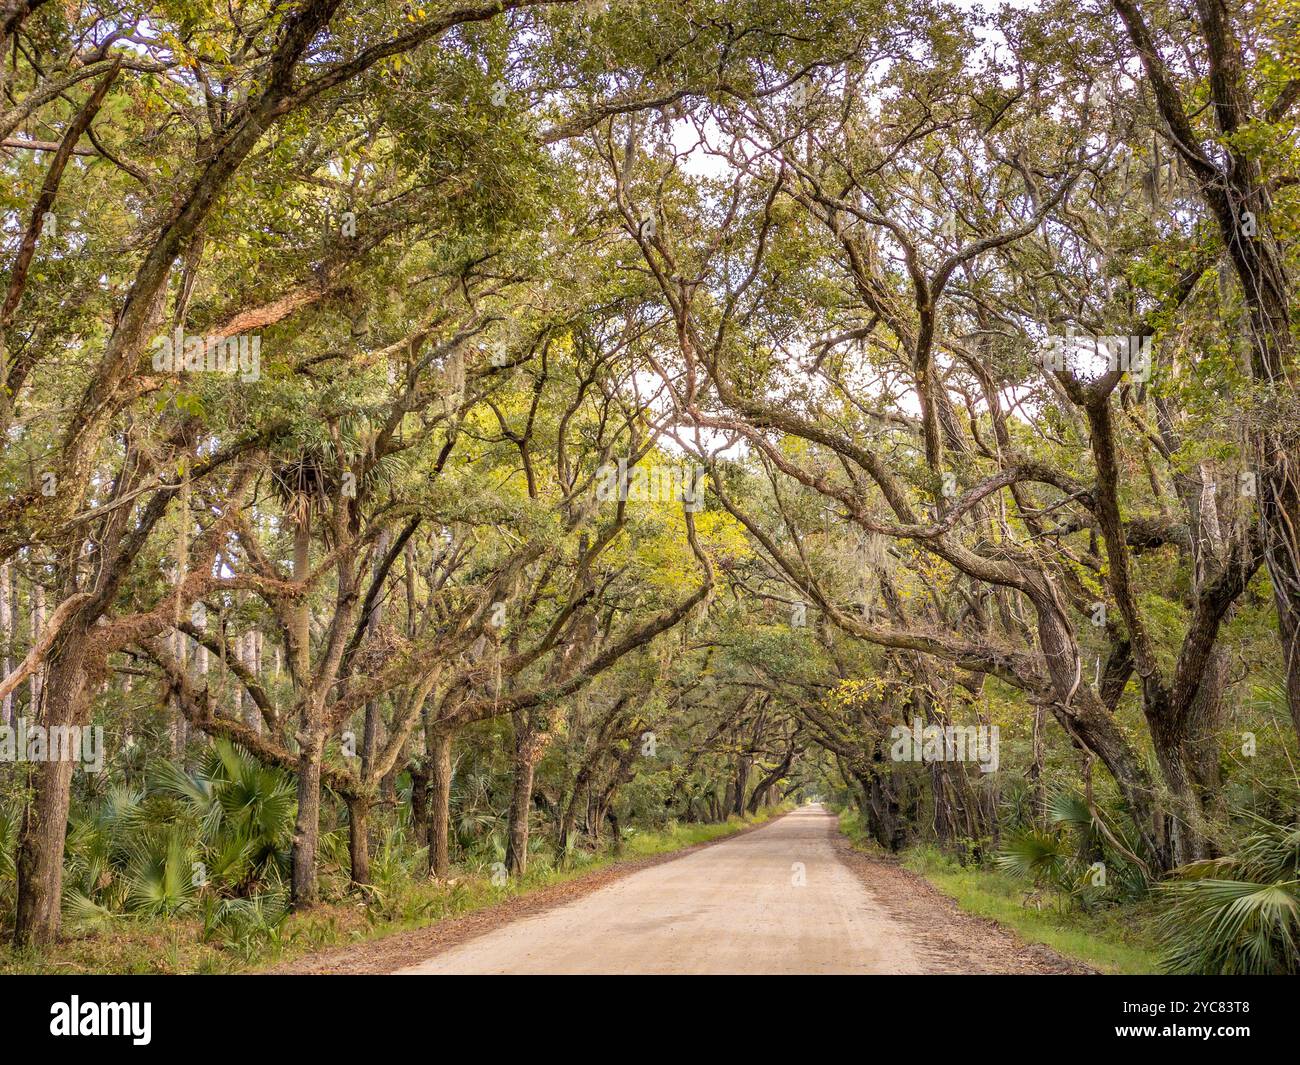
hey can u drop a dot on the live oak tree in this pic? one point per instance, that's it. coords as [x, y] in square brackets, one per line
[955, 347]
[917, 204]
[274, 68]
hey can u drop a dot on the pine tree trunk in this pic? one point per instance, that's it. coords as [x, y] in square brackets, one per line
[253, 660]
[306, 832]
[1037, 791]
[38, 625]
[177, 725]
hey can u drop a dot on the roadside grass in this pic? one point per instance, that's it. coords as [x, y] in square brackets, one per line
[1116, 939]
[175, 945]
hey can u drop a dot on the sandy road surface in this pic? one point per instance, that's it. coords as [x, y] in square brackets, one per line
[735, 907]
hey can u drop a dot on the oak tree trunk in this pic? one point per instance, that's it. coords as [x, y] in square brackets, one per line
[439, 804]
[521, 800]
[306, 830]
[45, 817]
[359, 841]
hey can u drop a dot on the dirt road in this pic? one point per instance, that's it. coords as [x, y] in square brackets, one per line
[776, 900]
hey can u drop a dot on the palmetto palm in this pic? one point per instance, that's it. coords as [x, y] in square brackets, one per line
[245, 811]
[1064, 857]
[1238, 914]
[220, 831]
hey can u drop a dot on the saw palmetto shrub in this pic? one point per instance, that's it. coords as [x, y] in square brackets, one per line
[1239, 914]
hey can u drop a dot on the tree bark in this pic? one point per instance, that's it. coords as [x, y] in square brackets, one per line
[7, 628]
[521, 800]
[419, 802]
[439, 804]
[1231, 193]
[359, 841]
[45, 817]
[763, 789]
[311, 740]
[1037, 792]
[570, 820]
[306, 829]
[742, 785]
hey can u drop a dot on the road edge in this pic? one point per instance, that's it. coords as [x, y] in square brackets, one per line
[386, 954]
[980, 945]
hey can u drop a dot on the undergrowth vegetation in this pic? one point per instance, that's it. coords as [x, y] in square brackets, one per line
[188, 873]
